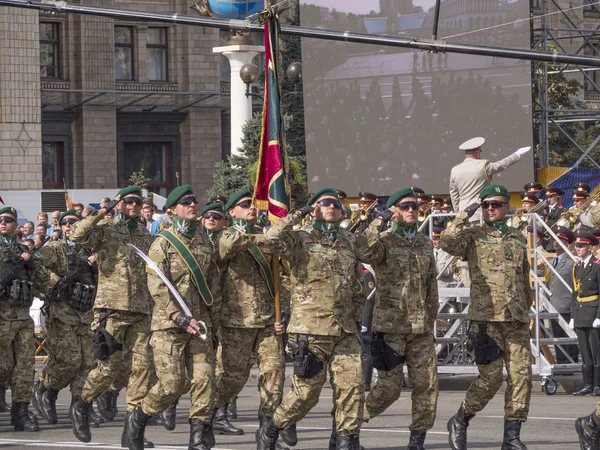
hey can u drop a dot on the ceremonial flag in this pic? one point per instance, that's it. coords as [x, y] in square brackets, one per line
[272, 190]
[69, 203]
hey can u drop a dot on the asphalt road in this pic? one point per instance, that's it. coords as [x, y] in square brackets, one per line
[550, 425]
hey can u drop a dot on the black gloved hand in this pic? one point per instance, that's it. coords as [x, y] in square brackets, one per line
[182, 321]
[306, 210]
[386, 216]
[111, 205]
[472, 208]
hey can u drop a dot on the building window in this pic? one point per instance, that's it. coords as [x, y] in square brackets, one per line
[153, 159]
[588, 5]
[124, 53]
[49, 50]
[156, 60]
[52, 165]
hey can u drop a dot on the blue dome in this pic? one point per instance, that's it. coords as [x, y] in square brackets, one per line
[236, 9]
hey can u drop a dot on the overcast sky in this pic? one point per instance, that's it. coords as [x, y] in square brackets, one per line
[361, 6]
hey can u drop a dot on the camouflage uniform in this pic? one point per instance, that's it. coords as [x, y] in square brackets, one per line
[16, 327]
[405, 312]
[500, 296]
[323, 275]
[176, 351]
[247, 323]
[123, 293]
[71, 356]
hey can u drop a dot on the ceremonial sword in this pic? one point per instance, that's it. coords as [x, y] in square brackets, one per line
[174, 291]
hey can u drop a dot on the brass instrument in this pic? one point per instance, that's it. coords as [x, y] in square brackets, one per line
[568, 219]
[423, 214]
[362, 215]
[525, 221]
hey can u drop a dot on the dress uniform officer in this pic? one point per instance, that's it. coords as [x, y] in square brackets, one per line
[528, 201]
[553, 211]
[581, 193]
[585, 311]
[446, 206]
[468, 178]
[533, 188]
[366, 200]
[500, 302]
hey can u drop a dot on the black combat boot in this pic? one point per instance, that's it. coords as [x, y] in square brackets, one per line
[94, 419]
[232, 408]
[588, 429]
[588, 380]
[221, 423]
[347, 442]
[125, 442]
[3, 404]
[80, 418]
[417, 440]
[23, 421]
[333, 437]
[200, 436]
[135, 428]
[596, 392]
[457, 428]
[289, 435]
[267, 436]
[169, 416]
[512, 435]
[44, 402]
[106, 405]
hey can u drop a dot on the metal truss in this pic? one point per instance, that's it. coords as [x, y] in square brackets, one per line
[547, 36]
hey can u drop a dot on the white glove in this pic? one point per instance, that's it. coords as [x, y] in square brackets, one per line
[522, 151]
[596, 323]
[363, 329]
[572, 324]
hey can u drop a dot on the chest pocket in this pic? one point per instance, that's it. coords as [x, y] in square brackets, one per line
[488, 250]
[320, 261]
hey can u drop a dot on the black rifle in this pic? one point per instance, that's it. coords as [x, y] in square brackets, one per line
[8, 275]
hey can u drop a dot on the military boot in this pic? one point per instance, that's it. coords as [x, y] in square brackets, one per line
[457, 428]
[125, 442]
[289, 435]
[267, 436]
[222, 425]
[135, 429]
[23, 420]
[44, 402]
[232, 409]
[200, 436]
[512, 435]
[106, 406]
[347, 442]
[80, 416]
[588, 429]
[95, 419]
[333, 437]
[169, 416]
[417, 440]
[588, 380]
[3, 404]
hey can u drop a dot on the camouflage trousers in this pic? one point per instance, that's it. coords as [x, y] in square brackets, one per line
[513, 340]
[17, 357]
[132, 330]
[342, 355]
[178, 357]
[419, 351]
[241, 348]
[71, 356]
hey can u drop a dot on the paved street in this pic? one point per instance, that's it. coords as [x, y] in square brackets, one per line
[550, 426]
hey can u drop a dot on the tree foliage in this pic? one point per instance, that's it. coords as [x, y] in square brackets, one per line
[139, 179]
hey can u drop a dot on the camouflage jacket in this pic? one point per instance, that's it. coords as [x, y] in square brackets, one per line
[323, 274]
[122, 283]
[174, 267]
[407, 293]
[247, 302]
[34, 272]
[498, 267]
[59, 257]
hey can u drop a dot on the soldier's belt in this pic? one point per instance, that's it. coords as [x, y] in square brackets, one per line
[590, 298]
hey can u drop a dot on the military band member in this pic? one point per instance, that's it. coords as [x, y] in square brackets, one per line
[446, 206]
[71, 299]
[122, 307]
[581, 193]
[553, 211]
[405, 313]
[22, 278]
[217, 199]
[500, 302]
[346, 213]
[188, 259]
[365, 202]
[533, 188]
[323, 323]
[213, 220]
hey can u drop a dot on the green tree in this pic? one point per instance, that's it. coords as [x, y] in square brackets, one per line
[139, 179]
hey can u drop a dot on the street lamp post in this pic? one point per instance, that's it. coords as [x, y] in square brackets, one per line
[249, 74]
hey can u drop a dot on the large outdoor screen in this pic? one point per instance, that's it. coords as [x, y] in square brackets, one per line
[382, 118]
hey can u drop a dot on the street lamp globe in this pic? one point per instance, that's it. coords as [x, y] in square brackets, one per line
[249, 73]
[294, 72]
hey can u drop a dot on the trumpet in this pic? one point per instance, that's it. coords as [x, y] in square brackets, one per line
[422, 215]
[525, 221]
[362, 215]
[568, 219]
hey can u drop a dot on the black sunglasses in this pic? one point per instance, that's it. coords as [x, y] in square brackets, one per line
[186, 201]
[404, 206]
[213, 215]
[130, 200]
[245, 204]
[69, 221]
[493, 203]
[7, 219]
[330, 201]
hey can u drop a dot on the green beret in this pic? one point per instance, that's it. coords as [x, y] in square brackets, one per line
[399, 195]
[130, 190]
[235, 198]
[9, 210]
[494, 190]
[213, 207]
[321, 193]
[176, 194]
[70, 212]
